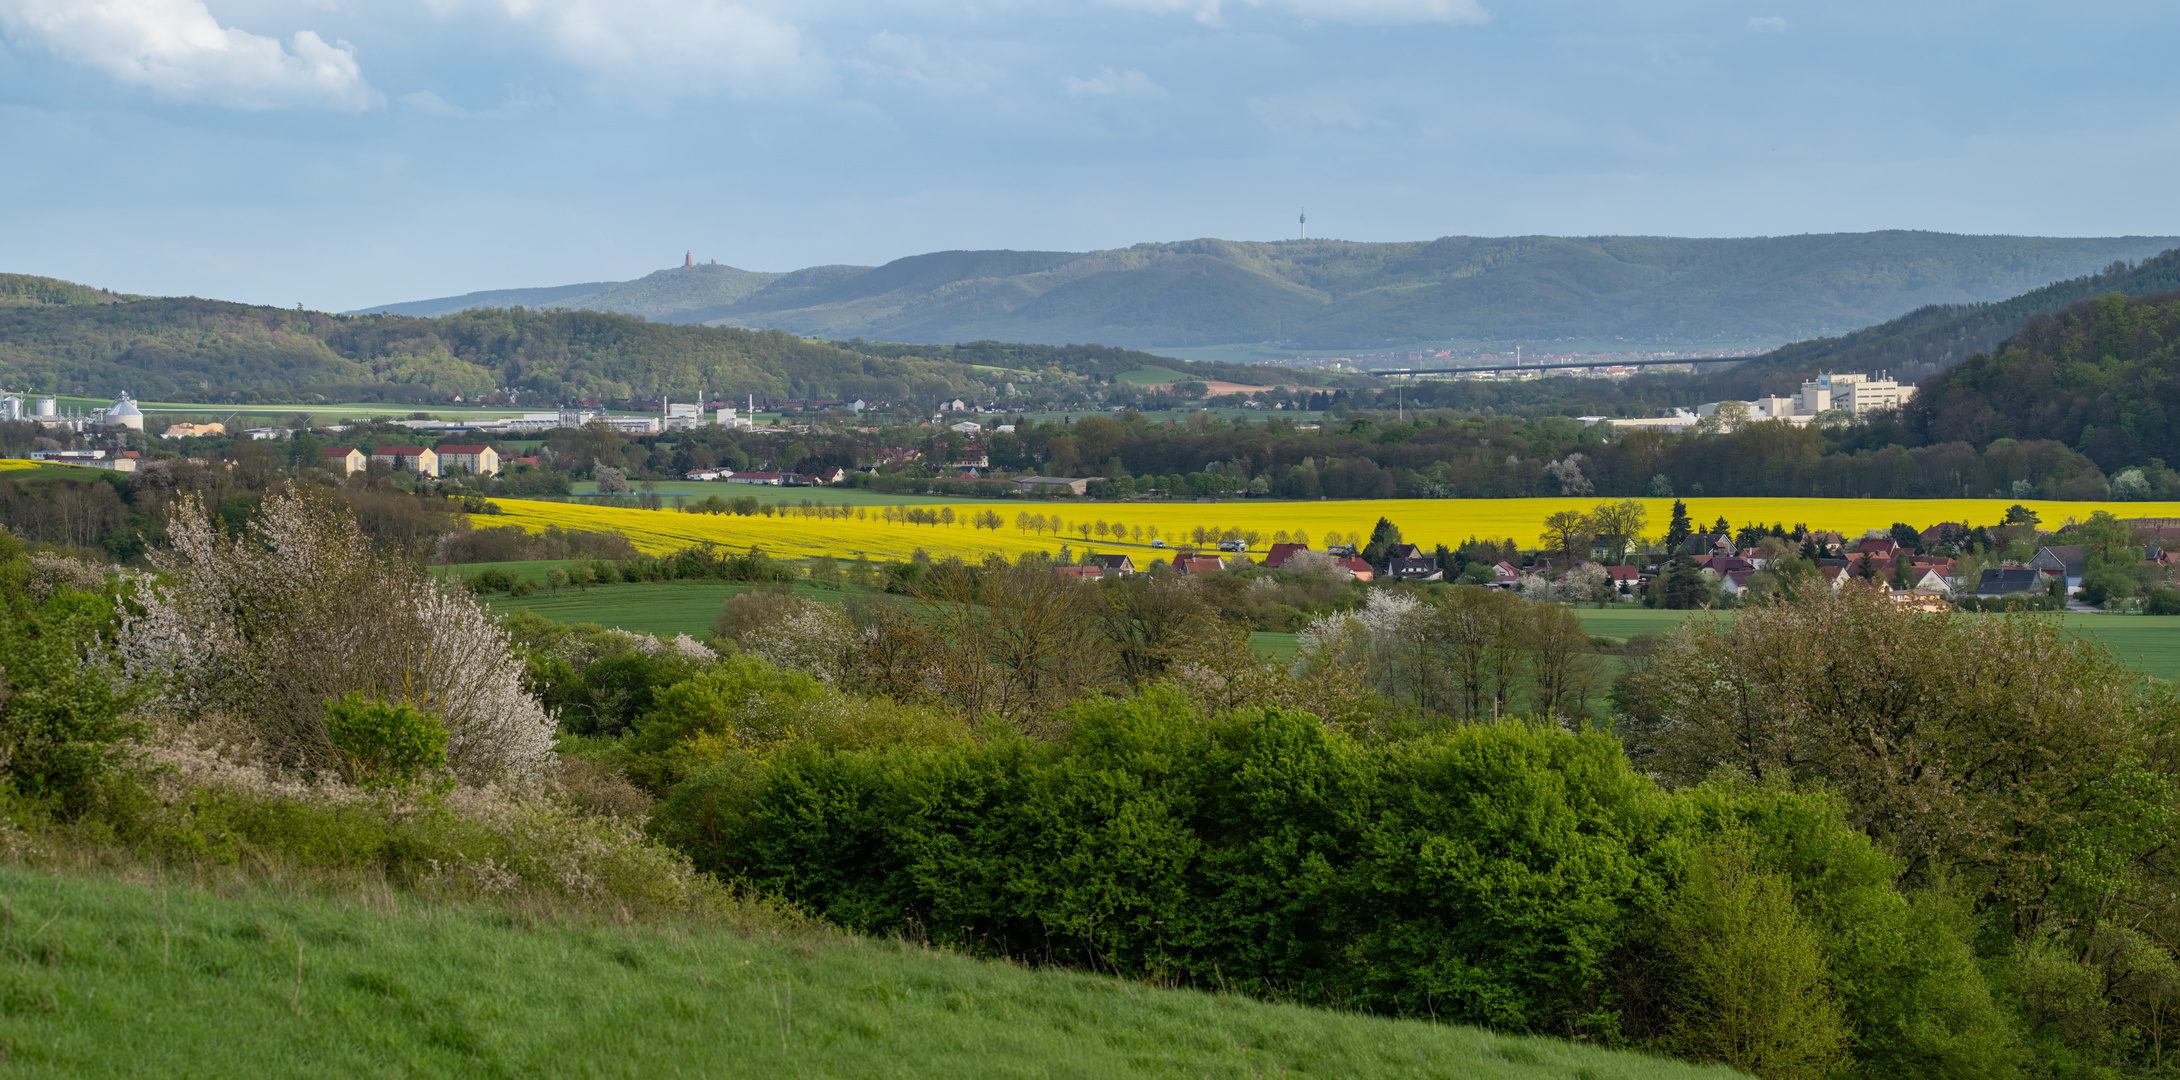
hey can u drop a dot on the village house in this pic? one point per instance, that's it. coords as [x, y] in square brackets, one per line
[2061, 560]
[1933, 582]
[2008, 580]
[347, 460]
[422, 461]
[1197, 564]
[1356, 567]
[476, 459]
[765, 479]
[1118, 565]
[1280, 553]
[1053, 485]
[1419, 568]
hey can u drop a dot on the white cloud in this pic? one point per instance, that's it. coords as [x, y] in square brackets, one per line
[1110, 83]
[178, 50]
[1768, 24]
[667, 49]
[1366, 12]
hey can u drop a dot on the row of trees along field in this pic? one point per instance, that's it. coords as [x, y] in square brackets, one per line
[1828, 836]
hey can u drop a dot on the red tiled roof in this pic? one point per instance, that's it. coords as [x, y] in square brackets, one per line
[398, 451]
[1280, 553]
[463, 449]
[339, 451]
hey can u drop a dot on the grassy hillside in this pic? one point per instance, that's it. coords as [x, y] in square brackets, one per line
[109, 979]
[1654, 291]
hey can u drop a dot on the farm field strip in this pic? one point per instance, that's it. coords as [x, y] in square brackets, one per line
[1422, 521]
[699, 490]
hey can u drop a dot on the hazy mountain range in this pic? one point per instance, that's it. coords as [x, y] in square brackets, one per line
[1330, 294]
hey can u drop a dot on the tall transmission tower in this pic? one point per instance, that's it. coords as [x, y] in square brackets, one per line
[1303, 223]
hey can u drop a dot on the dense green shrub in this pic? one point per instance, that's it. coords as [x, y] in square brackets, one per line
[385, 742]
[1513, 875]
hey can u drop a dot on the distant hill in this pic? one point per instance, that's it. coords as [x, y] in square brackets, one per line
[1933, 338]
[1334, 294]
[61, 336]
[554, 296]
[26, 290]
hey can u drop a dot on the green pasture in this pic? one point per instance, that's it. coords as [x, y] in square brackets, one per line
[114, 979]
[1279, 646]
[1153, 376]
[647, 607]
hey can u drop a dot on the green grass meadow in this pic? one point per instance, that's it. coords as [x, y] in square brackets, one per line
[107, 979]
[647, 607]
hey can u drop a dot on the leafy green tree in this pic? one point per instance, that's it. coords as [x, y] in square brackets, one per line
[65, 711]
[1681, 586]
[1384, 537]
[1753, 990]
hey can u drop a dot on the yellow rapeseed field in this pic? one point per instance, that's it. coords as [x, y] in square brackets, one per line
[848, 532]
[16, 463]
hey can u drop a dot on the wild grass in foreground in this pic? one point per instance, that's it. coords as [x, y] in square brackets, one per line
[106, 978]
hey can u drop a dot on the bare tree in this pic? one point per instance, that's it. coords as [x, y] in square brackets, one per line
[1021, 641]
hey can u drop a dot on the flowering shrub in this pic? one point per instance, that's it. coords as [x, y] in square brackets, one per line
[809, 637]
[268, 626]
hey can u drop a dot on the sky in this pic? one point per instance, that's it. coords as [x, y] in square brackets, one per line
[337, 154]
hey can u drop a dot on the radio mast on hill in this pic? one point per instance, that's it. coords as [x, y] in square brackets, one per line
[1303, 223]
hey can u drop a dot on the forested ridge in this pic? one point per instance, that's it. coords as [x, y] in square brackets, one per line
[1933, 338]
[1648, 291]
[2099, 377]
[67, 338]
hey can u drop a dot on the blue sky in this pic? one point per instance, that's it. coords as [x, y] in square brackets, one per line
[338, 154]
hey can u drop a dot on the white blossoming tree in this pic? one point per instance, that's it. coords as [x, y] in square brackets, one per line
[268, 626]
